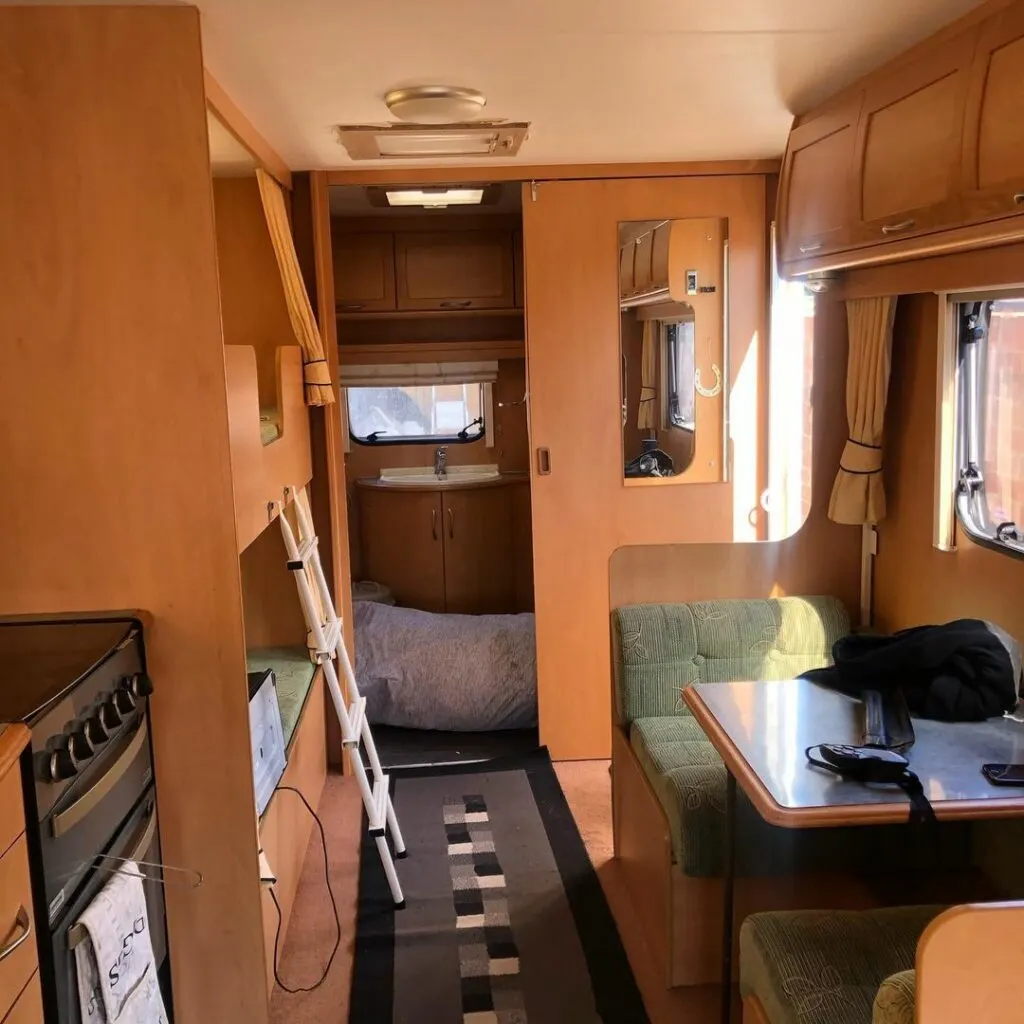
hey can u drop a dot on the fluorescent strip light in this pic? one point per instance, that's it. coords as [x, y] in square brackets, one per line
[435, 199]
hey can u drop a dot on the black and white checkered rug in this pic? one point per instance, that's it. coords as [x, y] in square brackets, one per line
[505, 921]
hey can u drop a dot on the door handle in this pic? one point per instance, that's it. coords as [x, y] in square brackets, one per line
[346, 307]
[145, 837]
[23, 925]
[464, 304]
[810, 248]
[895, 229]
[433, 523]
[543, 462]
[451, 525]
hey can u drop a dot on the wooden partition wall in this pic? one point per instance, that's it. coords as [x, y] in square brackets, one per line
[582, 511]
[116, 466]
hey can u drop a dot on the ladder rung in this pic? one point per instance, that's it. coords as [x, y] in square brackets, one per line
[305, 551]
[332, 634]
[356, 714]
[379, 817]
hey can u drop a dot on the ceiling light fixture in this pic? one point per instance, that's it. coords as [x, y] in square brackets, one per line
[435, 198]
[435, 104]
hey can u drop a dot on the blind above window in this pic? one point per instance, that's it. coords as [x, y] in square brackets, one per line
[399, 374]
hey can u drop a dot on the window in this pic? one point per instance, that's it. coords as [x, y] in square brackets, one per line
[990, 435]
[412, 414]
[680, 409]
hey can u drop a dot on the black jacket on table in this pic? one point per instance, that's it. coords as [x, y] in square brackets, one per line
[958, 672]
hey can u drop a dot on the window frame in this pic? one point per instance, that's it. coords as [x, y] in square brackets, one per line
[670, 375]
[972, 320]
[418, 439]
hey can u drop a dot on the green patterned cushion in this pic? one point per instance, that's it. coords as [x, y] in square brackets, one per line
[293, 672]
[894, 1003]
[661, 648]
[826, 966]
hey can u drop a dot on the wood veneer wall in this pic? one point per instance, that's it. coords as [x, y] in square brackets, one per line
[820, 558]
[914, 582]
[116, 466]
[582, 511]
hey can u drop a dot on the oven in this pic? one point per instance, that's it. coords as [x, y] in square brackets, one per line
[81, 687]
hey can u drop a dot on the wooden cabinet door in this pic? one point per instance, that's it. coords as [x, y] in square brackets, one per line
[29, 1007]
[402, 545]
[454, 270]
[993, 147]
[815, 212]
[479, 556]
[909, 146]
[364, 272]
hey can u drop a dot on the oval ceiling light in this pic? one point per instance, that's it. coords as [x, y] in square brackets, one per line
[435, 104]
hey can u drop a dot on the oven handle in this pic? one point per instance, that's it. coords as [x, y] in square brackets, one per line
[68, 819]
[24, 922]
[77, 933]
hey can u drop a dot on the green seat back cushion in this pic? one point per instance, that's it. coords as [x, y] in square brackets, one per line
[661, 648]
[826, 966]
[894, 1002]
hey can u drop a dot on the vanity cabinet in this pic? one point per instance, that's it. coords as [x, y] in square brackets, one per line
[457, 549]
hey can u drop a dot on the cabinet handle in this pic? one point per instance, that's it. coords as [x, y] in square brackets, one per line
[433, 523]
[23, 923]
[451, 525]
[810, 248]
[351, 306]
[1018, 198]
[543, 461]
[464, 304]
[894, 229]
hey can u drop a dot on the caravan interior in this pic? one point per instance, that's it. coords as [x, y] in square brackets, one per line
[549, 550]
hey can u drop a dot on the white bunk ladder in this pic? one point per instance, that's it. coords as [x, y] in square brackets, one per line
[329, 644]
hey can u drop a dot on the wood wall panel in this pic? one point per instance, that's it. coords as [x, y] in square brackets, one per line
[914, 582]
[820, 558]
[582, 510]
[114, 419]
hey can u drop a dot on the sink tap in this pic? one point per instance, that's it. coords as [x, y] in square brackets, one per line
[440, 459]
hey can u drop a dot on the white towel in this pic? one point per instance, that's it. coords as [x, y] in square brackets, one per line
[117, 979]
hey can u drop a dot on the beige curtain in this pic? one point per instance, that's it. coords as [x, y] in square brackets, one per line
[645, 417]
[858, 496]
[315, 373]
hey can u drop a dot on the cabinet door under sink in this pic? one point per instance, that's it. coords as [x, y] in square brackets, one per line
[402, 545]
[479, 556]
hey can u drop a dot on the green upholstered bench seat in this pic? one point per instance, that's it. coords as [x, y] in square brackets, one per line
[662, 648]
[294, 674]
[829, 966]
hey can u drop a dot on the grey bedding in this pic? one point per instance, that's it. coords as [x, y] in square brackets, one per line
[464, 673]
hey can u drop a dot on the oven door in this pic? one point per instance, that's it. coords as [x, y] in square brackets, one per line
[85, 819]
[138, 839]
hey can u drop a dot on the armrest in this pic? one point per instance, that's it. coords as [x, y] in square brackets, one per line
[970, 965]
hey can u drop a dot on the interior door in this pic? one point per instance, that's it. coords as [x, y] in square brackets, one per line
[479, 551]
[403, 546]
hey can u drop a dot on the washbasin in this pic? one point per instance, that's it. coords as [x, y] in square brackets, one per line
[425, 476]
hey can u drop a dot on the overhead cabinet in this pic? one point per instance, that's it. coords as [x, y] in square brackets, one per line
[425, 271]
[926, 154]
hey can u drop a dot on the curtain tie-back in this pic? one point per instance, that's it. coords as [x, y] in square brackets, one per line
[316, 371]
[861, 459]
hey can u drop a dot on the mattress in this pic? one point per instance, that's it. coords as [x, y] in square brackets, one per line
[294, 673]
[270, 428]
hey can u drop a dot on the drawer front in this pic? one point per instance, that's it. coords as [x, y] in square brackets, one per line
[12, 809]
[29, 1007]
[16, 925]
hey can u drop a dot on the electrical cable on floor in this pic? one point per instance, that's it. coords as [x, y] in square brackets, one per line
[334, 905]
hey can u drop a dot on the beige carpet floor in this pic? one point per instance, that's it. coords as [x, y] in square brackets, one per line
[587, 786]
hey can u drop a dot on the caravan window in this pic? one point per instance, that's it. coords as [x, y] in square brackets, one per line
[430, 413]
[990, 493]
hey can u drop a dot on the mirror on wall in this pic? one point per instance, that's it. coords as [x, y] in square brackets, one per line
[674, 354]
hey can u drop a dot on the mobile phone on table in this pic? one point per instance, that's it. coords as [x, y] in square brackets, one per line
[1004, 774]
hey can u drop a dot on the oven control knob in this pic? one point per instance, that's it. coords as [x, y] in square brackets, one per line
[110, 714]
[80, 745]
[62, 765]
[124, 700]
[140, 684]
[95, 730]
